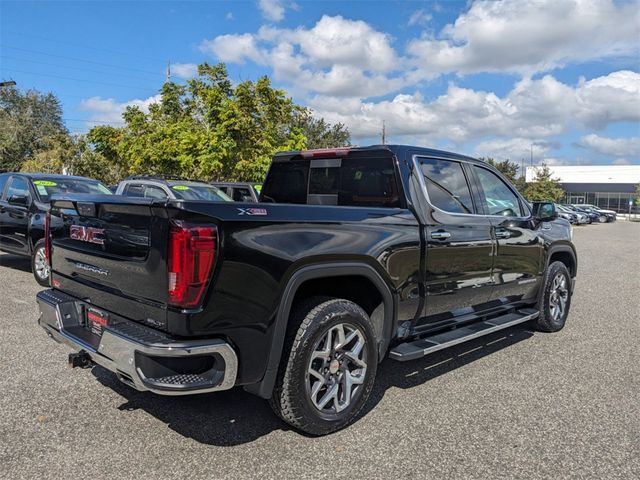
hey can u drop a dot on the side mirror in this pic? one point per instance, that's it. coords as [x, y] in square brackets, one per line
[19, 200]
[544, 211]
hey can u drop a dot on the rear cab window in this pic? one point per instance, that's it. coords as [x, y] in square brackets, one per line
[354, 181]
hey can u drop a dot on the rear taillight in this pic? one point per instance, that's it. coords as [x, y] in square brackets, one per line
[47, 237]
[192, 254]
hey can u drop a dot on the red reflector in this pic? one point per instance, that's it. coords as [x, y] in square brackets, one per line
[325, 152]
[192, 252]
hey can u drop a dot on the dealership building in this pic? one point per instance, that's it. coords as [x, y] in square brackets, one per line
[607, 186]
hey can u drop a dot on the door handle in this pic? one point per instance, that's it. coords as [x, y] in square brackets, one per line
[503, 234]
[440, 235]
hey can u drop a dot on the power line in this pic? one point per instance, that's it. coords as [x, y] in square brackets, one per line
[83, 45]
[84, 80]
[74, 68]
[76, 59]
[97, 120]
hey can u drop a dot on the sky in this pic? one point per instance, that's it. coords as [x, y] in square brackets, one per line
[555, 81]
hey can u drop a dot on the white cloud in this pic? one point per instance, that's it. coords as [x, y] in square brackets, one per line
[234, 48]
[229, 16]
[108, 111]
[272, 9]
[184, 70]
[419, 17]
[529, 37]
[532, 111]
[621, 161]
[616, 147]
[516, 149]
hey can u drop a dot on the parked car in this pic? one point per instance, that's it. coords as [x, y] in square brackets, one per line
[604, 215]
[353, 255]
[239, 191]
[591, 216]
[577, 218]
[571, 217]
[24, 201]
[163, 187]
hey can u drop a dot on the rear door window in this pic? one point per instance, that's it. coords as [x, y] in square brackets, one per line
[447, 185]
[134, 190]
[151, 191]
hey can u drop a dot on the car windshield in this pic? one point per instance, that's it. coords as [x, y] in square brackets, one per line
[55, 185]
[199, 191]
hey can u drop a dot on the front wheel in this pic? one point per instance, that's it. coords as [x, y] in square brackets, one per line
[555, 299]
[39, 264]
[329, 367]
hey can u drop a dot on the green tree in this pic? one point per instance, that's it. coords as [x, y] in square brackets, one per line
[319, 133]
[544, 187]
[30, 123]
[208, 129]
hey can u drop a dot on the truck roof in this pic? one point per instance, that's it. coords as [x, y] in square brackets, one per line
[398, 150]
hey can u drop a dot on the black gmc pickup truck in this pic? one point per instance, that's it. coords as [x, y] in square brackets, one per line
[352, 255]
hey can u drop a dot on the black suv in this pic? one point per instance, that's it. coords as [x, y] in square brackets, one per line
[24, 200]
[353, 255]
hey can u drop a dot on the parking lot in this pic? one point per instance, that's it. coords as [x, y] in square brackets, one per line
[516, 404]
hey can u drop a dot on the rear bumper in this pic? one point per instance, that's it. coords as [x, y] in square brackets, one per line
[141, 357]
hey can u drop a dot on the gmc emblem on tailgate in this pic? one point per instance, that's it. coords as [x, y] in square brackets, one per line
[87, 234]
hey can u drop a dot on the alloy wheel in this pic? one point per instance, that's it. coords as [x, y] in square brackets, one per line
[40, 264]
[337, 368]
[559, 296]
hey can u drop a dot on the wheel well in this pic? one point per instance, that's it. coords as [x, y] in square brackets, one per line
[567, 259]
[355, 288]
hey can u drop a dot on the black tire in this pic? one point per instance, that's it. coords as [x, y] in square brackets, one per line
[39, 273]
[603, 219]
[314, 321]
[549, 320]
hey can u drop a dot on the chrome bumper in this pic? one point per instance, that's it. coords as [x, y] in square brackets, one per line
[141, 357]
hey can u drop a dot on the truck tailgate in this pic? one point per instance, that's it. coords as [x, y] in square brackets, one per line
[103, 250]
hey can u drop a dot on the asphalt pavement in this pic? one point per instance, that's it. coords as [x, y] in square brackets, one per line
[517, 404]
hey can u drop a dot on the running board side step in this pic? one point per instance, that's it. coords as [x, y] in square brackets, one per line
[424, 346]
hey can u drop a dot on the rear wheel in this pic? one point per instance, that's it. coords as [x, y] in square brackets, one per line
[555, 299]
[603, 219]
[329, 367]
[39, 264]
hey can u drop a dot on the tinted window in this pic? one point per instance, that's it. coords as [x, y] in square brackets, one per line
[134, 190]
[18, 188]
[499, 198]
[446, 185]
[199, 191]
[241, 194]
[3, 182]
[323, 181]
[368, 182]
[55, 185]
[154, 192]
[286, 183]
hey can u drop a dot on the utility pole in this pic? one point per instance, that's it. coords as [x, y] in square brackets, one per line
[168, 77]
[384, 133]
